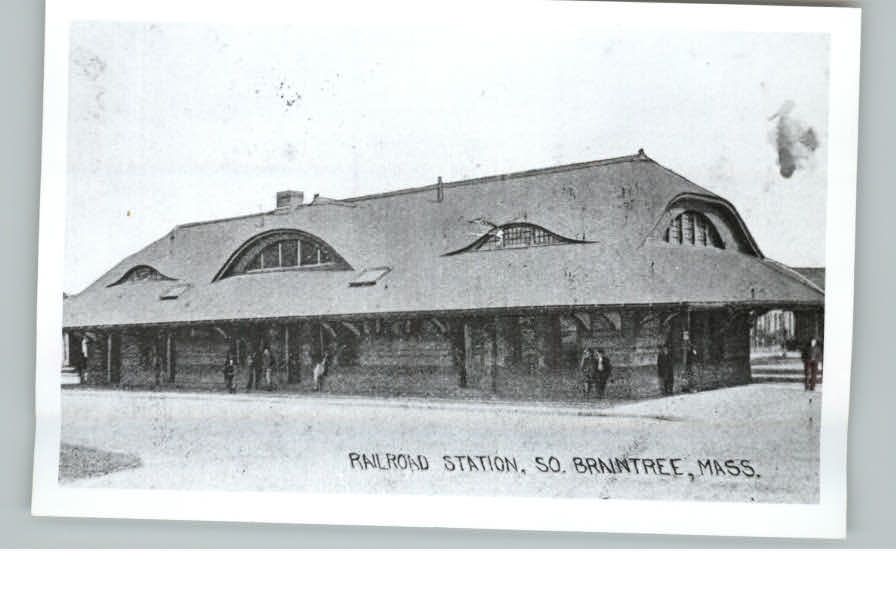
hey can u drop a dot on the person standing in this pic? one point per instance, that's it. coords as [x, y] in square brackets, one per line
[80, 360]
[603, 369]
[692, 370]
[588, 367]
[320, 372]
[230, 373]
[252, 366]
[665, 368]
[811, 359]
[267, 367]
[460, 363]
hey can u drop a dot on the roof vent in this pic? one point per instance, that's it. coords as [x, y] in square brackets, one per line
[369, 276]
[173, 293]
[289, 199]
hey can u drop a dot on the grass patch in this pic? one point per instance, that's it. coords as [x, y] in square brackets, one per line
[81, 462]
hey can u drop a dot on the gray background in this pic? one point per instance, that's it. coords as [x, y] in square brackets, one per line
[872, 450]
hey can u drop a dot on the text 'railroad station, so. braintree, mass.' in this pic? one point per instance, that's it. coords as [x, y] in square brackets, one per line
[495, 285]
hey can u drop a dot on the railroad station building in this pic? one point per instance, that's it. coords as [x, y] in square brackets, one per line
[492, 285]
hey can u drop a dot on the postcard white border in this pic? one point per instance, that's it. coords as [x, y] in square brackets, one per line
[827, 519]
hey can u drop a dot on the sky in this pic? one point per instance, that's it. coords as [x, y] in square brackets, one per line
[174, 123]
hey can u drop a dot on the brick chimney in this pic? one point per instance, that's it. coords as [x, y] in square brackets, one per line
[289, 199]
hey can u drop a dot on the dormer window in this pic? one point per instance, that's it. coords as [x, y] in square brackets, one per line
[692, 228]
[516, 235]
[290, 253]
[141, 273]
[283, 249]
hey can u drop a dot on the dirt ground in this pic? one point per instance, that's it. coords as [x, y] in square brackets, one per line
[674, 448]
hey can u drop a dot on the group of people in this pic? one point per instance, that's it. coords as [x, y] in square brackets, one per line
[595, 367]
[596, 370]
[260, 368]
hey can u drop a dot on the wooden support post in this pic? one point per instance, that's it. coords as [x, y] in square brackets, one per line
[169, 357]
[507, 331]
[286, 364]
[687, 363]
[468, 351]
[109, 358]
[547, 329]
[493, 354]
[299, 353]
[706, 331]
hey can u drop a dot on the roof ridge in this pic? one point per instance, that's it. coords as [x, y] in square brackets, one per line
[221, 220]
[640, 156]
[504, 176]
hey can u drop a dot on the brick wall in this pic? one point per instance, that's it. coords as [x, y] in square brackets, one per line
[95, 373]
[199, 357]
[137, 360]
[396, 361]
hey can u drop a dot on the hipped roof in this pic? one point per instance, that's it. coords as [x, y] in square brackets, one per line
[613, 205]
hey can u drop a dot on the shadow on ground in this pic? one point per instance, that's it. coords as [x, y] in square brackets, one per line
[82, 462]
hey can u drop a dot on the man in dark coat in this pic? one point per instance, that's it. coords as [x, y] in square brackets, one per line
[665, 369]
[252, 369]
[79, 361]
[267, 367]
[811, 359]
[588, 366]
[603, 369]
[230, 373]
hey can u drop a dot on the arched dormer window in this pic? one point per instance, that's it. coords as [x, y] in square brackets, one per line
[692, 228]
[516, 235]
[280, 250]
[140, 273]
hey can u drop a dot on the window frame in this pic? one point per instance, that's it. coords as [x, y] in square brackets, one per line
[520, 234]
[253, 251]
[130, 276]
[692, 228]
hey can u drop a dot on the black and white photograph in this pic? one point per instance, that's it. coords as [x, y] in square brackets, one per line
[574, 266]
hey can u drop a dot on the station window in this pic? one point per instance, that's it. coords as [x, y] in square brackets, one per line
[289, 253]
[517, 235]
[141, 273]
[692, 228]
[282, 249]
